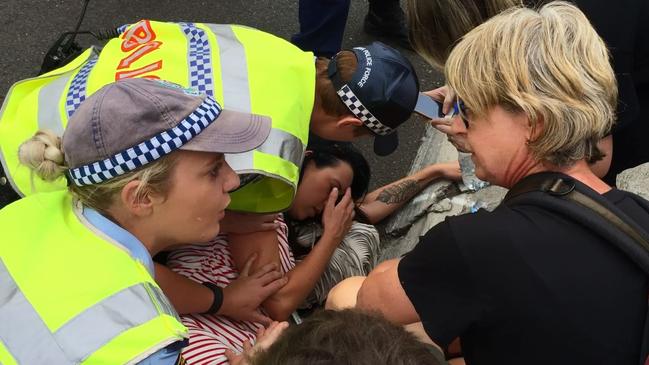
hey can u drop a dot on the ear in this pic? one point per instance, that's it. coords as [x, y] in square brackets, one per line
[137, 204]
[348, 120]
[308, 153]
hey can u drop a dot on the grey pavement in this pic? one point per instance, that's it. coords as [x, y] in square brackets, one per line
[29, 27]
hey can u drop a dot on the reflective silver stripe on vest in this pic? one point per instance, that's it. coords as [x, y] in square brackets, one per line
[284, 144]
[49, 96]
[22, 331]
[29, 341]
[234, 69]
[236, 95]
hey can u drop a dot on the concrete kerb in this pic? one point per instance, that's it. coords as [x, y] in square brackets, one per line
[433, 204]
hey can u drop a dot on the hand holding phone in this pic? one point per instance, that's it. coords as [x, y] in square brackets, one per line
[428, 107]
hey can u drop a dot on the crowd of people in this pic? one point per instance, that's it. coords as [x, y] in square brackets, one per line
[185, 214]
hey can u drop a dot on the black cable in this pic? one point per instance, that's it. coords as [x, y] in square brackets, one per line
[106, 34]
[83, 14]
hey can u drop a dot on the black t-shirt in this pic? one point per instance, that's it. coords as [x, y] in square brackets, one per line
[522, 286]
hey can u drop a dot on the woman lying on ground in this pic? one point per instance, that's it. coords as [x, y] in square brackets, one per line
[329, 174]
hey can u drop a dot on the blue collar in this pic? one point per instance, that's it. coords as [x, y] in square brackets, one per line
[122, 236]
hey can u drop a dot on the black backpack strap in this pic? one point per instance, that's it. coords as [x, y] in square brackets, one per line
[568, 197]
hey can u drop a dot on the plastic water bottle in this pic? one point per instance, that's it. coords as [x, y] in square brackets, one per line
[470, 181]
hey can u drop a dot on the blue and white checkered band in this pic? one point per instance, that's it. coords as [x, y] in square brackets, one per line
[122, 29]
[360, 111]
[150, 150]
[199, 59]
[77, 90]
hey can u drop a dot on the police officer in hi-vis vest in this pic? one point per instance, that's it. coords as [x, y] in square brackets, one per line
[145, 170]
[365, 91]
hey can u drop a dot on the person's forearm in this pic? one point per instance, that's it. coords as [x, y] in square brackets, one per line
[383, 201]
[301, 280]
[187, 296]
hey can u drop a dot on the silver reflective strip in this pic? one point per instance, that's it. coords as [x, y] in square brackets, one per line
[23, 332]
[234, 69]
[164, 304]
[49, 97]
[28, 339]
[241, 162]
[97, 325]
[285, 145]
[236, 95]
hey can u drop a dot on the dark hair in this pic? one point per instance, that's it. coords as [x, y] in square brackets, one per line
[331, 154]
[325, 154]
[347, 337]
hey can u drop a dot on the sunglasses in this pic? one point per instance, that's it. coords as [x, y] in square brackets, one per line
[461, 109]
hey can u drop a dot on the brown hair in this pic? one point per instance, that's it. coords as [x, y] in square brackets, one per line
[437, 25]
[346, 337]
[325, 91]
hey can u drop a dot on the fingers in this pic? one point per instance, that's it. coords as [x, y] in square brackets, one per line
[444, 128]
[264, 270]
[248, 265]
[272, 333]
[262, 330]
[437, 94]
[246, 346]
[441, 122]
[276, 328]
[270, 287]
[258, 317]
[449, 99]
[347, 198]
[269, 277]
[233, 358]
[331, 201]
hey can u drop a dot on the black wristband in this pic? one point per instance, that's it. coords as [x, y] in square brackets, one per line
[218, 297]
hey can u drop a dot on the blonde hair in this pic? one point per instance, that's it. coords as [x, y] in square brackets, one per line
[43, 155]
[436, 25]
[549, 64]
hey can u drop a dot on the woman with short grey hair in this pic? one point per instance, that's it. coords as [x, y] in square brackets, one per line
[526, 284]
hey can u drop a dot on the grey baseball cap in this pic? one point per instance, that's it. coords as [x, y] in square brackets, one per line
[133, 122]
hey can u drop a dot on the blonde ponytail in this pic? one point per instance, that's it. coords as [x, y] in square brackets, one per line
[43, 155]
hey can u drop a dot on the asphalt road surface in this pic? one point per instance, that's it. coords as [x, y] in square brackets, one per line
[29, 27]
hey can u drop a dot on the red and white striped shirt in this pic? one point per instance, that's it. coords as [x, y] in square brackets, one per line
[210, 335]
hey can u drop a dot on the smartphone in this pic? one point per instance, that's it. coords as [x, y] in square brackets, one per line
[428, 107]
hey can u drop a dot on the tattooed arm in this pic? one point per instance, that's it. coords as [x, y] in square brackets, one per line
[385, 200]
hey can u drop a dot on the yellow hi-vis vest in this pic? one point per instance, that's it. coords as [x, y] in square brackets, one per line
[242, 68]
[71, 295]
